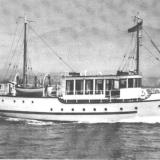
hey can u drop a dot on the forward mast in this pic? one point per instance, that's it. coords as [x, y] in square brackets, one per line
[25, 54]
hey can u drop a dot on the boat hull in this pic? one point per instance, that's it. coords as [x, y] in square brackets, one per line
[51, 109]
[29, 92]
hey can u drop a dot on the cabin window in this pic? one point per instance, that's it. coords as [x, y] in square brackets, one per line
[122, 83]
[69, 87]
[138, 82]
[130, 83]
[79, 86]
[116, 84]
[89, 87]
[109, 84]
[99, 86]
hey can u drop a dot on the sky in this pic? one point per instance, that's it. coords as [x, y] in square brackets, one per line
[90, 35]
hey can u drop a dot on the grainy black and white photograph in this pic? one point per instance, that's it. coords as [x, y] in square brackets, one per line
[80, 79]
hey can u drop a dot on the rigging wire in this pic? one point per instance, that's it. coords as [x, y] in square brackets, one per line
[126, 56]
[151, 53]
[152, 42]
[16, 58]
[128, 59]
[51, 49]
[13, 54]
[132, 63]
[155, 55]
[16, 61]
[10, 50]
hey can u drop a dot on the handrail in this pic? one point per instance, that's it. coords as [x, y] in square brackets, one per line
[87, 92]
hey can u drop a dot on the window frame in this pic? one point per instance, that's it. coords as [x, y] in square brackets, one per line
[71, 89]
[97, 90]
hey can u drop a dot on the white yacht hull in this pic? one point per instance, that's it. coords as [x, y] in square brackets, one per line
[51, 109]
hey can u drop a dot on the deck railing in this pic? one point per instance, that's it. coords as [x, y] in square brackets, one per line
[87, 92]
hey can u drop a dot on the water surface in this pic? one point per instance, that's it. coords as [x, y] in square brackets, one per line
[35, 139]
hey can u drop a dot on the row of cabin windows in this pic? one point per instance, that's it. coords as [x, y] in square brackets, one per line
[88, 86]
[132, 83]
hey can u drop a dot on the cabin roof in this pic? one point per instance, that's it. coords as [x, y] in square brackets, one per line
[102, 76]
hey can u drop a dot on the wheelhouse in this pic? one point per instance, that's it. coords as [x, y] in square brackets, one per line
[101, 86]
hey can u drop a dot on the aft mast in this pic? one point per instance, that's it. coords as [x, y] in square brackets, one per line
[137, 29]
[137, 47]
[25, 54]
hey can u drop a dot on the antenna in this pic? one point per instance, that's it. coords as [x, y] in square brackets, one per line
[25, 18]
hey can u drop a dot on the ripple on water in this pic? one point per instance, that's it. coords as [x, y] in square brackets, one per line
[36, 139]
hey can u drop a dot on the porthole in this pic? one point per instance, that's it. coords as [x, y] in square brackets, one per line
[51, 109]
[72, 109]
[136, 108]
[105, 109]
[23, 101]
[61, 109]
[32, 101]
[94, 109]
[83, 109]
[158, 105]
[14, 101]
[2, 100]
[121, 109]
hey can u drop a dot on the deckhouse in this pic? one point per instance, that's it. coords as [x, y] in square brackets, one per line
[101, 87]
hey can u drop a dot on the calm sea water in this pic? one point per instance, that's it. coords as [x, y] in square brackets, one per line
[35, 139]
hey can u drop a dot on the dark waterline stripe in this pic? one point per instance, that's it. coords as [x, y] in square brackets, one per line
[68, 113]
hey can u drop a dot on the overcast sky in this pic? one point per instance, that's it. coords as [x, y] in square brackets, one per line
[88, 34]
